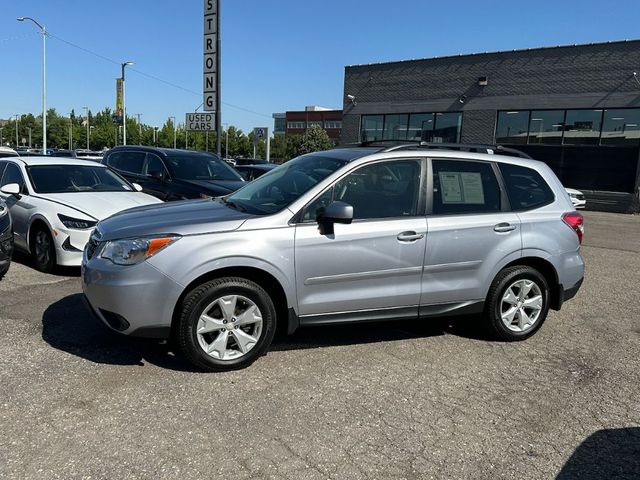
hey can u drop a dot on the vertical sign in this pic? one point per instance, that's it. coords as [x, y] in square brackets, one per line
[210, 81]
[119, 108]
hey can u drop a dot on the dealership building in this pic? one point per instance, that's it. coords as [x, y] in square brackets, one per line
[575, 107]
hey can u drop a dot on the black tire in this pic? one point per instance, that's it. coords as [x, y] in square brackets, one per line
[493, 305]
[44, 262]
[194, 305]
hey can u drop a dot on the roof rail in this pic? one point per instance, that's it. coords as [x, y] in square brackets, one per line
[464, 147]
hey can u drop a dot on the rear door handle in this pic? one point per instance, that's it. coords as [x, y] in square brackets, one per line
[410, 236]
[504, 228]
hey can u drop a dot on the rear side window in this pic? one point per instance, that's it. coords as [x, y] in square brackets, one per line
[526, 187]
[130, 162]
[463, 187]
[2, 167]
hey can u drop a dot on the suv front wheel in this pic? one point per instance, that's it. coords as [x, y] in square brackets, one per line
[517, 303]
[226, 324]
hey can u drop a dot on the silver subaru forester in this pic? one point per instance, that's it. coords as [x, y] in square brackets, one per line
[346, 235]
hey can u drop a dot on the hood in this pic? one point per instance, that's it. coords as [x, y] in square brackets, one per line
[188, 217]
[217, 187]
[101, 205]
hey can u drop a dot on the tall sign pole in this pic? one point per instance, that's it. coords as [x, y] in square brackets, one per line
[211, 82]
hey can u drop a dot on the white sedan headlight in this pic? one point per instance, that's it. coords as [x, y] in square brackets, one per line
[131, 251]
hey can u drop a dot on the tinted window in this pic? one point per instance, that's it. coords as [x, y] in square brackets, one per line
[420, 126]
[512, 127]
[130, 162]
[200, 167]
[546, 126]
[312, 210]
[12, 174]
[582, 127]
[395, 127]
[75, 178]
[447, 128]
[371, 127]
[382, 190]
[2, 167]
[464, 187]
[621, 127]
[525, 187]
[154, 164]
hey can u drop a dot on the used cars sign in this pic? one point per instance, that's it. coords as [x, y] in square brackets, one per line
[200, 122]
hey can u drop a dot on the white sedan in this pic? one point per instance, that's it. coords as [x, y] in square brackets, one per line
[56, 202]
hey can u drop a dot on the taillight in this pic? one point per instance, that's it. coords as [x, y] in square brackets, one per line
[576, 222]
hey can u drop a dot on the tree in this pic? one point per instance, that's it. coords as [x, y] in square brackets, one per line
[314, 139]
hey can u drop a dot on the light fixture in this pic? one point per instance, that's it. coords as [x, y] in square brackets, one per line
[483, 81]
[462, 98]
[352, 99]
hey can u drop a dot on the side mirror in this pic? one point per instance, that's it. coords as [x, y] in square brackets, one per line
[335, 212]
[137, 187]
[157, 175]
[11, 189]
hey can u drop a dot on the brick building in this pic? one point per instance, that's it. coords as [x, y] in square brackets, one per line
[575, 107]
[297, 122]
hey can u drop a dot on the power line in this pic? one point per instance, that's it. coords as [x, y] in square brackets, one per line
[148, 75]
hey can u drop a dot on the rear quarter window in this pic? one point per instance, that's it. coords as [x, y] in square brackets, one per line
[525, 187]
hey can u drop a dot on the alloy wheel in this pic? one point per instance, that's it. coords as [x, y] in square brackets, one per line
[521, 305]
[43, 248]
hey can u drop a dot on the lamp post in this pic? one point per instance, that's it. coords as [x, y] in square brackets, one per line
[89, 137]
[17, 118]
[226, 147]
[139, 129]
[87, 120]
[43, 30]
[173, 120]
[70, 132]
[124, 105]
[155, 136]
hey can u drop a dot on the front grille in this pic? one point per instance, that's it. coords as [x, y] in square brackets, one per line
[580, 197]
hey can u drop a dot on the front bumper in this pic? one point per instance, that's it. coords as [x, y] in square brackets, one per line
[134, 300]
[69, 246]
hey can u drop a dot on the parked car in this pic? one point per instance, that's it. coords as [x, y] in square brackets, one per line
[63, 153]
[251, 172]
[6, 239]
[89, 155]
[577, 198]
[341, 236]
[171, 174]
[8, 152]
[56, 202]
[249, 161]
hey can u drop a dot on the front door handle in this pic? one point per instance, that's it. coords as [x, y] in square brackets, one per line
[504, 228]
[410, 236]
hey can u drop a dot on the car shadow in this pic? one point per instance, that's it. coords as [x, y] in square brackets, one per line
[609, 453]
[68, 326]
[25, 259]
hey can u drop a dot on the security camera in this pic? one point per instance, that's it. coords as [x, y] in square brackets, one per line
[351, 98]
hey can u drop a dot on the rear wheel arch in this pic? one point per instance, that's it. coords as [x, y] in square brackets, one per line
[264, 279]
[547, 270]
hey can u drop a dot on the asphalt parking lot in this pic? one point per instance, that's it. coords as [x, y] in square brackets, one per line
[393, 400]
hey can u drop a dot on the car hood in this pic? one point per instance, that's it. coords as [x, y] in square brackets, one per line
[101, 205]
[218, 187]
[188, 217]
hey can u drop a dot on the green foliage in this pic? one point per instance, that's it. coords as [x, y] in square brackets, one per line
[314, 140]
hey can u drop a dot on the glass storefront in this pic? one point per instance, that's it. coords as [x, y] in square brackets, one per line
[444, 127]
[546, 126]
[512, 127]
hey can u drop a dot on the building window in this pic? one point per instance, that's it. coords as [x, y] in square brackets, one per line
[336, 124]
[420, 126]
[546, 126]
[621, 127]
[582, 127]
[296, 125]
[395, 127]
[447, 128]
[371, 128]
[512, 127]
[430, 127]
[314, 124]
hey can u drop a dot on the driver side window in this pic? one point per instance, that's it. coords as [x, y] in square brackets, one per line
[154, 164]
[12, 174]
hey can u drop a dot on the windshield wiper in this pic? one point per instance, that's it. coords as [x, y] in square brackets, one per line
[234, 205]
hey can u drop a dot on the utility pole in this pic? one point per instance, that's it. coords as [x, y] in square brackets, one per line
[124, 105]
[87, 120]
[139, 129]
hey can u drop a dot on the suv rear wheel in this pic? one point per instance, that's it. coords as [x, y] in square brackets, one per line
[226, 324]
[517, 303]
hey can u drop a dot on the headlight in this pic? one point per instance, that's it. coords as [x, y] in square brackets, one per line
[76, 223]
[132, 251]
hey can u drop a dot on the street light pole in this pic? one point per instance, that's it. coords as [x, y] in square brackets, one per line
[87, 120]
[226, 147]
[89, 138]
[70, 132]
[124, 105]
[139, 129]
[43, 30]
[173, 120]
[17, 117]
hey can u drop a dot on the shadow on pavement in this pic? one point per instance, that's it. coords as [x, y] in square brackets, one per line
[69, 327]
[24, 259]
[607, 454]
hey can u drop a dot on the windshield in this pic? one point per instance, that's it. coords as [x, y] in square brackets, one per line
[280, 187]
[201, 167]
[76, 178]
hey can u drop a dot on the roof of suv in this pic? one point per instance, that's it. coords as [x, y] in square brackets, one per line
[162, 151]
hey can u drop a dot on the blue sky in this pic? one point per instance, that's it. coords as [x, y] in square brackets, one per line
[276, 55]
